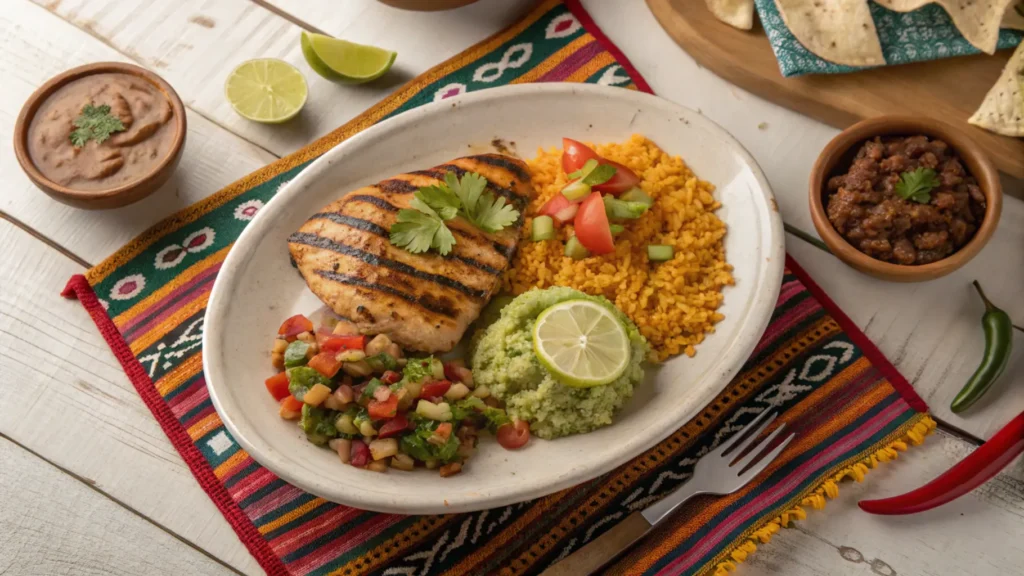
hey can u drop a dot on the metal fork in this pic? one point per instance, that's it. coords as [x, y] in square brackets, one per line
[724, 470]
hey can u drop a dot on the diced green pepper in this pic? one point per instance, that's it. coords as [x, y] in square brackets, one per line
[575, 250]
[382, 362]
[295, 354]
[576, 191]
[587, 168]
[621, 210]
[660, 252]
[318, 424]
[637, 195]
[617, 229]
[543, 228]
[302, 378]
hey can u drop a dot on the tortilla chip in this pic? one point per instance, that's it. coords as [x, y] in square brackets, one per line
[977, 20]
[840, 31]
[1014, 17]
[735, 13]
[1002, 111]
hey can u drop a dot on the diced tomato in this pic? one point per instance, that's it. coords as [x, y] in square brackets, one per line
[575, 154]
[277, 385]
[339, 343]
[557, 203]
[592, 228]
[443, 430]
[623, 180]
[291, 403]
[294, 326]
[390, 377]
[435, 389]
[325, 363]
[360, 454]
[394, 426]
[387, 409]
[513, 436]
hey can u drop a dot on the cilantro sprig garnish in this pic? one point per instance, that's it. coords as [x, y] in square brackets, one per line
[916, 185]
[94, 123]
[422, 227]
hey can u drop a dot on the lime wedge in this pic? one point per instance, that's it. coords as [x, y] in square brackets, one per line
[581, 343]
[266, 90]
[343, 61]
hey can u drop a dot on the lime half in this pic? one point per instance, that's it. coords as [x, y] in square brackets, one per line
[581, 343]
[266, 90]
[343, 61]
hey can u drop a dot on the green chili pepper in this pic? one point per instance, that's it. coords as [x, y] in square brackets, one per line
[998, 342]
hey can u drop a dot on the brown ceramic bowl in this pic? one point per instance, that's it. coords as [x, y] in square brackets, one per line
[836, 158]
[427, 5]
[112, 197]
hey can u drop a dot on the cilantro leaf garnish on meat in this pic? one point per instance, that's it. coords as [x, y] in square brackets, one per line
[917, 184]
[422, 227]
[94, 123]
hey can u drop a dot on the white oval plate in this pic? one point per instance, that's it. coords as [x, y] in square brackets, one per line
[257, 288]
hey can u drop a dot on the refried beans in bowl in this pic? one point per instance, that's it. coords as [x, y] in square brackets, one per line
[101, 135]
[906, 199]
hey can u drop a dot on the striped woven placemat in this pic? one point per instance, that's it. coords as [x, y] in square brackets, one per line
[851, 408]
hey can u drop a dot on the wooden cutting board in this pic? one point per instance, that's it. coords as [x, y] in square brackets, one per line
[949, 90]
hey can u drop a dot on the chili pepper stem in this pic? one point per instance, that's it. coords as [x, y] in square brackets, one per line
[988, 304]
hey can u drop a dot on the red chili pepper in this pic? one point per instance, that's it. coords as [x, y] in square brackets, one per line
[964, 476]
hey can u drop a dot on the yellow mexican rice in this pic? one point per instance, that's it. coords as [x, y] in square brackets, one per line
[673, 303]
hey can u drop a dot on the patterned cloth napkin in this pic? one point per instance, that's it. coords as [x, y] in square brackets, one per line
[924, 34]
[851, 408]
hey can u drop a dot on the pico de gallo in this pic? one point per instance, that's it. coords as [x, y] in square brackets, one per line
[361, 397]
[601, 196]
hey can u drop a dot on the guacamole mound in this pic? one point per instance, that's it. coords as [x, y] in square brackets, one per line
[502, 359]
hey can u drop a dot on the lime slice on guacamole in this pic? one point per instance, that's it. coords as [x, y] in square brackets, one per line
[581, 343]
[343, 61]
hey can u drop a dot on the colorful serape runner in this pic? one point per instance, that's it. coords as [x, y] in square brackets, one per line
[852, 409]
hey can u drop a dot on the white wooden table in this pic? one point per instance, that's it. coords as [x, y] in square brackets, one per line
[90, 485]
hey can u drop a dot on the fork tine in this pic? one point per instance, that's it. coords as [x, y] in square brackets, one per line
[768, 458]
[750, 439]
[754, 451]
[725, 447]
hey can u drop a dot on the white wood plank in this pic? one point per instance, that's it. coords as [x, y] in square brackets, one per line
[968, 537]
[54, 525]
[932, 330]
[195, 44]
[92, 421]
[35, 45]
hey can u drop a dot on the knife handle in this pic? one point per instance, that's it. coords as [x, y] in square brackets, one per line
[601, 550]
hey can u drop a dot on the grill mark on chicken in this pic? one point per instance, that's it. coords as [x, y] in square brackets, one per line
[502, 162]
[505, 251]
[396, 186]
[429, 304]
[378, 202]
[372, 228]
[357, 223]
[328, 244]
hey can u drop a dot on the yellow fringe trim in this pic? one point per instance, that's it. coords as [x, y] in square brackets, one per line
[828, 490]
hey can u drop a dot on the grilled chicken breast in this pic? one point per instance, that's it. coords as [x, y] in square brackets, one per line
[423, 301]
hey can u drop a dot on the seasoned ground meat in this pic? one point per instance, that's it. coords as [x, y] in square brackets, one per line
[865, 208]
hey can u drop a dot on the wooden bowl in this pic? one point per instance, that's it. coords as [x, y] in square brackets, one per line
[427, 5]
[839, 153]
[112, 197]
